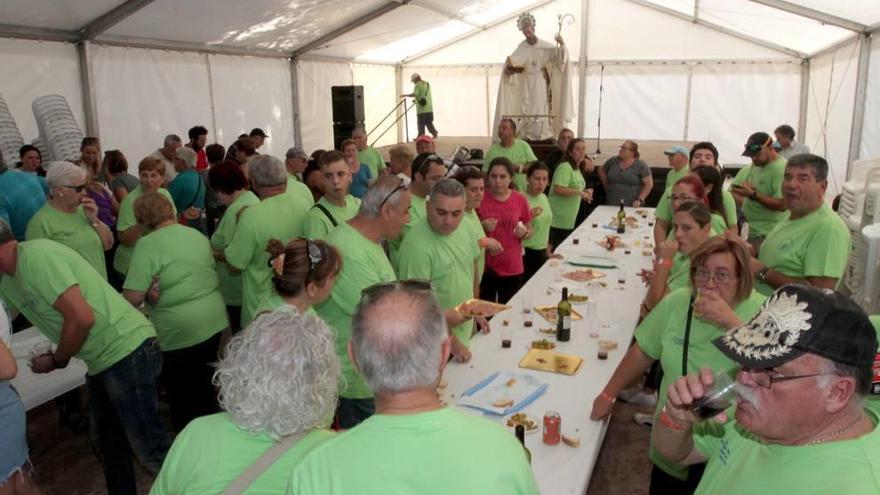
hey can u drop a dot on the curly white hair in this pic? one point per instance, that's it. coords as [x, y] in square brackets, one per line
[280, 375]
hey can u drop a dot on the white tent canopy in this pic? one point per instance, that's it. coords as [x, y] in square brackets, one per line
[135, 70]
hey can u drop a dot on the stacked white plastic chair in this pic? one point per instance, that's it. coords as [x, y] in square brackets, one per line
[59, 132]
[10, 137]
[857, 204]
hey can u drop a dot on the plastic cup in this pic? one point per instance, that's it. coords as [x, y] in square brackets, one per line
[722, 394]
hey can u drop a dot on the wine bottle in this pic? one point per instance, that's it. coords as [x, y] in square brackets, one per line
[621, 219]
[563, 318]
[521, 436]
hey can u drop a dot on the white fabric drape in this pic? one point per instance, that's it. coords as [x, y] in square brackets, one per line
[871, 130]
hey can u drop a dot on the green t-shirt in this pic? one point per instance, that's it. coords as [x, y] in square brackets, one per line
[679, 272]
[520, 153]
[363, 264]
[45, 270]
[816, 245]
[277, 217]
[126, 220]
[661, 337]
[565, 208]
[432, 453]
[300, 191]
[664, 211]
[418, 210]
[447, 261]
[317, 225]
[190, 309]
[373, 159]
[741, 176]
[540, 224]
[672, 177]
[472, 223]
[422, 90]
[767, 180]
[739, 464]
[74, 230]
[230, 283]
[212, 451]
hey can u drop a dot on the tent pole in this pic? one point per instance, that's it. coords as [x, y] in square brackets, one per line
[488, 105]
[398, 90]
[687, 103]
[823, 17]
[858, 119]
[804, 99]
[211, 97]
[360, 21]
[294, 95]
[87, 81]
[112, 18]
[582, 69]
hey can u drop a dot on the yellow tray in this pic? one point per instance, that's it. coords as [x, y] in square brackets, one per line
[554, 362]
[549, 313]
[489, 308]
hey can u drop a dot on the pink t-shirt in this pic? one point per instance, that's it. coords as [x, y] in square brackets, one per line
[508, 214]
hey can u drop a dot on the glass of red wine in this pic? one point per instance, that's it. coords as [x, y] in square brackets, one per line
[722, 394]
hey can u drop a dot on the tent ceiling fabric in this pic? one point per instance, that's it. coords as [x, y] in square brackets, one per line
[69, 15]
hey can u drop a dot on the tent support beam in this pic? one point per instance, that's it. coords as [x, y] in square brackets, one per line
[153, 44]
[360, 21]
[87, 81]
[687, 103]
[582, 69]
[840, 44]
[39, 34]
[803, 107]
[112, 18]
[824, 18]
[445, 13]
[720, 29]
[858, 119]
[294, 89]
[467, 35]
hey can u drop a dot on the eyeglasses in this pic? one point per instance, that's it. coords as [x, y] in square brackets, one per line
[78, 189]
[702, 276]
[765, 379]
[410, 284]
[400, 187]
[315, 257]
[624, 148]
[682, 198]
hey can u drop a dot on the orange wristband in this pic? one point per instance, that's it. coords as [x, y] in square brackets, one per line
[605, 395]
[484, 242]
[664, 262]
[672, 423]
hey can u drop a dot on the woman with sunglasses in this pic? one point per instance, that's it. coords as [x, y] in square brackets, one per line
[679, 332]
[71, 218]
[172, 269]
[506, 217]
[303, 274]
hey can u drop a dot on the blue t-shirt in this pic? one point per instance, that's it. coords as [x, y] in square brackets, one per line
[360, 181]
[187, 190]
[21, 196]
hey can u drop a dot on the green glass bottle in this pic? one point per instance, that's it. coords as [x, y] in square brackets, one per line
[563, 318]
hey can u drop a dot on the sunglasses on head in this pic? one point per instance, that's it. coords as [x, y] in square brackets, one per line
[410, 284]
[754, 148]
[399, 187]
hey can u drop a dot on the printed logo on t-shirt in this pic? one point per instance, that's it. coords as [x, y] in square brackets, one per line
[875, 383]
[724, 451]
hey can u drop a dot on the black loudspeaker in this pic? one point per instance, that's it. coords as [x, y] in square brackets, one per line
[348, 103]
[342, 131]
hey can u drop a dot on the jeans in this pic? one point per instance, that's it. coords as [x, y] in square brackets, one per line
[663, 484]
[426, 120]
[186, 375]
[350, 412]
[124, 413]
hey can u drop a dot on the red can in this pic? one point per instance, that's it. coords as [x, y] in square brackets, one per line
[552, 427]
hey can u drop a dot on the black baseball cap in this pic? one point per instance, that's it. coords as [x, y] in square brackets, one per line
[256, 131]
[799, 319]
[756, 141]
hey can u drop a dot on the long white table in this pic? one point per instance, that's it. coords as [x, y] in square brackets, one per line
[36, 389]
[561, 469]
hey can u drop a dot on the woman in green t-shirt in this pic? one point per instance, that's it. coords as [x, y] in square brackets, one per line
[303, 274]
[278, 379]
[567, 191]
[537, 244]
[723, 299]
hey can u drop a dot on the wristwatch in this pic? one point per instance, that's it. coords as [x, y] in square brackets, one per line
[754, 196]
[761, 274]
[58, 365]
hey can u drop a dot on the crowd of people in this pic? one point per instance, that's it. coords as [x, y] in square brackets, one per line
[274, 301]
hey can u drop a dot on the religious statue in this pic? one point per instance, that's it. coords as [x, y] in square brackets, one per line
[534, 89]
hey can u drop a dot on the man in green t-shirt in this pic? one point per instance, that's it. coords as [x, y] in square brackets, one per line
[383, 213]
[426, 170]
[677, 156]
[367, 154]
[812, 246]
[336, 205]
[442, 250]
[760, 194]
[424, 105]
[801, 424]
[74, 306]
[279, 215]
[412, 444]
[514, 149]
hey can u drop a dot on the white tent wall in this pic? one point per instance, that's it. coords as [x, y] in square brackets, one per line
[465, 94]
[830, 109]
[314, 79]
[870, 145]
[36, 68]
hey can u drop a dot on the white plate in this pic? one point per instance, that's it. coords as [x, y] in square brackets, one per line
[531, 418]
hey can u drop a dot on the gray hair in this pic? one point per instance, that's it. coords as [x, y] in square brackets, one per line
[64, 174]
[396, 339]
[447, 187]
[267, 171]
[171, 138]
[280, 375]
[187, 156]
[386, 188]
[6, 234]
[863, 376]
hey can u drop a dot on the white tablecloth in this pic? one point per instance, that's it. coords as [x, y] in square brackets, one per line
[36, 389]
[561, 469]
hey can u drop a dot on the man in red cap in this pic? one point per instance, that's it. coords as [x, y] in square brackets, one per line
[425, 144]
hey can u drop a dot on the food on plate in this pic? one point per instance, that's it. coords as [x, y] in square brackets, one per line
[548, 331]
[611, 242]
[607, 345]
[573, 442]
[541, 360]
[603, 284]
[647, 252]
[521, 419]
[503, 402]
[511, 382]
[479, 307]
[549, 314]
[543, 344]
[584, 275]
[577, 298]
